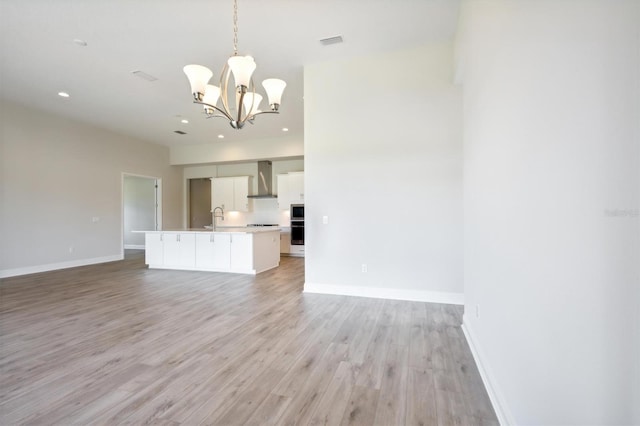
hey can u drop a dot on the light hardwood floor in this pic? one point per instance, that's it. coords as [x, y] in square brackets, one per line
[118, 343]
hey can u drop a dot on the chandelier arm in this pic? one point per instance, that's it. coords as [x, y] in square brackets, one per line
[226, 115]
[239, 106]
[252, 87]
[263, 112]
[216, 116]
[224, 87]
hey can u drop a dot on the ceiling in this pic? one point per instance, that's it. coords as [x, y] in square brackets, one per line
[39, 57]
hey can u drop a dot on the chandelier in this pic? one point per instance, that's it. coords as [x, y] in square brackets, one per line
[241, 104]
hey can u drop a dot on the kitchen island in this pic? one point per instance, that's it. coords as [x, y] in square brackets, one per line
[238, 250]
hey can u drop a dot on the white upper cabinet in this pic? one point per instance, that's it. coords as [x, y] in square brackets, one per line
[240, 193]
[230, 193]
[222, 193]
[296, 187]
[290, 189]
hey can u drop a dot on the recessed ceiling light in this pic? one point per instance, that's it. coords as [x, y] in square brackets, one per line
[63, 94]
[80, 42]
[184, 121]
[220, 136]
[284, 129]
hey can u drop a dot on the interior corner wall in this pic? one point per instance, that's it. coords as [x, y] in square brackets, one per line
[57, 176]
[552, 190]
[383, 163]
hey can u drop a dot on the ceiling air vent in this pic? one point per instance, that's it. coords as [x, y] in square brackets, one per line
[143, 75]
[180, 132]
[331, 40]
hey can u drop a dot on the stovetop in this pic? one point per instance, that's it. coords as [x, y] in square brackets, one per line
[261, 224]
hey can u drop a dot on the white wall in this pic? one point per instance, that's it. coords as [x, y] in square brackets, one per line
[139, 194]
[221, 151]
[383, 160]
[58, 174]
[263, 210]
[551, 175]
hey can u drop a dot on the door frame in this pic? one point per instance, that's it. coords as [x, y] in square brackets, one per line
[158, 195]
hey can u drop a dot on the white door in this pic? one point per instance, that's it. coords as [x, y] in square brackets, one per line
[139, 209]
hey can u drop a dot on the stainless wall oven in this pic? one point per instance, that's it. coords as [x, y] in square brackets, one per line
[297, 224]
[297, 212]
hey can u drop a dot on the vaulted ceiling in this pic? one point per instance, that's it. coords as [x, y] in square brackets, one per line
[39, 58]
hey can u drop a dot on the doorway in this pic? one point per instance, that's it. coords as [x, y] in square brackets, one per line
[141, 208]
[199, 202]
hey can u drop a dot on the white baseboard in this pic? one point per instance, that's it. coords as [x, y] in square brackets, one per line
[134, 246]
[5, 273]
[386, 293]
[497, 400]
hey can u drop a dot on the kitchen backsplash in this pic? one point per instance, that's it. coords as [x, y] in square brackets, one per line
[265, 210]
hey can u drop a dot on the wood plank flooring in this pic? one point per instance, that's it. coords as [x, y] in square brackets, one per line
[118, 343]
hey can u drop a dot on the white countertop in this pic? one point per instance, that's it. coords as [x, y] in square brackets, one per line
[220, 230]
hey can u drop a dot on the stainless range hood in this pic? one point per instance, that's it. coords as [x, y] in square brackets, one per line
[265, 181]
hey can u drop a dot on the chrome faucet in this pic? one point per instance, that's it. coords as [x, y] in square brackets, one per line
[221, 216]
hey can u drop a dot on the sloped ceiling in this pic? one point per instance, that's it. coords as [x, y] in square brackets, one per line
[39, 58]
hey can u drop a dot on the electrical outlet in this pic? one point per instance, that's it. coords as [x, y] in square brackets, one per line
[70, 249]
[95, 219]
[325, 220]
[364, 267]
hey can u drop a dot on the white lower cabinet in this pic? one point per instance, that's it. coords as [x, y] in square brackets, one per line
[296, 250]
[179, 249]
[244, 253]
[153, 249]
[285, 241]
[213, 251]
[241, 251]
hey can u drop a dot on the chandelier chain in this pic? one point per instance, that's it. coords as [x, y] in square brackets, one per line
[235, 27]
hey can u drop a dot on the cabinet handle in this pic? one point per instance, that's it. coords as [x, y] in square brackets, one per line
[178, 238]
[211, 238]
[160, 237]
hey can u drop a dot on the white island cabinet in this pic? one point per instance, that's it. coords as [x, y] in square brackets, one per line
[239, 250]
[212, 251]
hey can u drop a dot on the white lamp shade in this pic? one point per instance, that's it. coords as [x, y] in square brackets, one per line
[242, 68]
[198, 77]
[211, 94]
[249, 98]
[274, 88]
